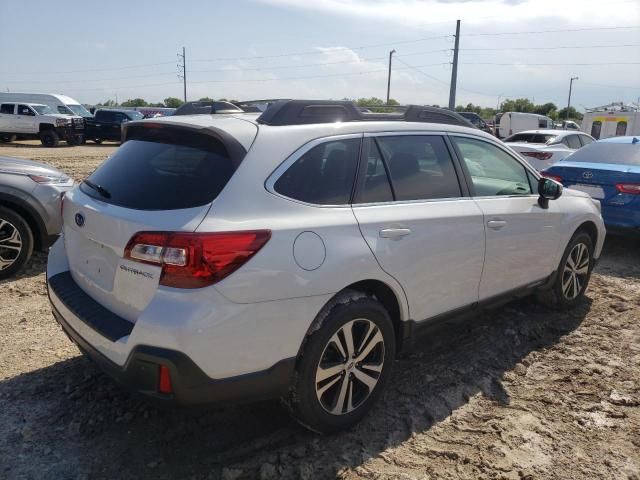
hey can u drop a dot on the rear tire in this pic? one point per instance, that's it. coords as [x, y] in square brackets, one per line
[16, 242]
[573, 274]
[7, 138]
[49, 139]
[345, 365]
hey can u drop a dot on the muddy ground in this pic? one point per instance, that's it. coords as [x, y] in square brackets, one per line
[521, 393]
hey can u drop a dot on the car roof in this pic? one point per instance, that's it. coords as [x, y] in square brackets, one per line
[551, 131]
[625, 139]
[244, 126]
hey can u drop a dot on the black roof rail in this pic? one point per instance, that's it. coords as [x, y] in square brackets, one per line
[204, 108]
[302, 112]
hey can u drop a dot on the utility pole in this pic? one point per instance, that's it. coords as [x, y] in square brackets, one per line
[569, 102]
[454, 70]
[389, 76]
[182, 72]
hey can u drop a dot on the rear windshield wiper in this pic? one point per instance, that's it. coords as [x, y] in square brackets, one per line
[98, 188]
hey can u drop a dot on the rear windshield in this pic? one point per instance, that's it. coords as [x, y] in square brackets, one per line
[163, 169]
[531, 138]
[621, 153]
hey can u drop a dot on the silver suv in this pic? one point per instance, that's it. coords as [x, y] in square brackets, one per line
[30, 196]
[294, 254]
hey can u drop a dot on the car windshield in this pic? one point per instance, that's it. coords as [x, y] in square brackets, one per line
[79, 110]
[617, 153]
[542, 138]
[42, 109]
[135, 115]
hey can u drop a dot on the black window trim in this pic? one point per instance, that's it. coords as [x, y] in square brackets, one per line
[467, 174]
[271, 180]
[462, 181]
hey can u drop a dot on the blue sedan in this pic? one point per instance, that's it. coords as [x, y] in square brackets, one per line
[609, 171]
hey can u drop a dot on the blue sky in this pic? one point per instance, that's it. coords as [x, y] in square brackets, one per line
[94, 51]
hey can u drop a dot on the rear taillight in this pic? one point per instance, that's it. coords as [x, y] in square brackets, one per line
[538, 155]
[164, 380]
[632, 188]
[552, 177]
[195, 260]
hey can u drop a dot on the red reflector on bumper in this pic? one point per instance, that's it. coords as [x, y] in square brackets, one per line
[164, 380]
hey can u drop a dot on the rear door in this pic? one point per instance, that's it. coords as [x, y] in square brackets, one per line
[161, 179]
[7, 117]
[520, 235]
[414, 216]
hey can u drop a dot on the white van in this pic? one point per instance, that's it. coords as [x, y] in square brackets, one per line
[510, 123]
[612, 123]
[58, 103]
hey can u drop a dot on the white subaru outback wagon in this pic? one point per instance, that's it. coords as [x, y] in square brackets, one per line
[224, 258]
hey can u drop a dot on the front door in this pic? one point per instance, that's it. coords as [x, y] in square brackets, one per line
[414, 217]
[26, 120]
[521, 237]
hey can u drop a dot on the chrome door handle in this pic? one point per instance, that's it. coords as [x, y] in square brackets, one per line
[496, 224]
[394, 232]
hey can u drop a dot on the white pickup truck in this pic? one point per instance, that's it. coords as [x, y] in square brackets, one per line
[33, 120]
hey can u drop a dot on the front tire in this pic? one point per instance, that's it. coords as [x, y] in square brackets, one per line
[7, 138]
[345, 365]
[97, 140]
[573, 274]
[16, 242]
[49, 139]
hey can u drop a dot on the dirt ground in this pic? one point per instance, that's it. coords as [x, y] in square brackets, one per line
[520, 393]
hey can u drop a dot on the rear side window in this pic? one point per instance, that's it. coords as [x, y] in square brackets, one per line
[585, 139]
[421, 167]
[376, 187]
[164, 170]
[104, 116]
[324, 175]
[7, 108]
[573, 141]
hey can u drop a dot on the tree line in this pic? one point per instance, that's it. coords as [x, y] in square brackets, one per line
[377, 105]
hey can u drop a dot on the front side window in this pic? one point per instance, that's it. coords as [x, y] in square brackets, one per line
[324, 175]
[7, 108]
[492, 170]
[121, 117]
[104, 116]
[595, 129]
[421, 167]
[621, 128]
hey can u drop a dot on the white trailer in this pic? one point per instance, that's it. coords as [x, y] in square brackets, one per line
[611, 123]
[510, 123]
[58, 103]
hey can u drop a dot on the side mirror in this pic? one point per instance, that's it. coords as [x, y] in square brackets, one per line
[548, 190]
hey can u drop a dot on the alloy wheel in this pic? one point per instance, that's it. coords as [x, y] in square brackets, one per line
[350, 366]
[10, 244]
[575, 271]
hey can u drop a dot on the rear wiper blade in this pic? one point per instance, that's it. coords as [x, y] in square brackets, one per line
[98, 188]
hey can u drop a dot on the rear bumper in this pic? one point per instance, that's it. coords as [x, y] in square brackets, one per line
[140, 371]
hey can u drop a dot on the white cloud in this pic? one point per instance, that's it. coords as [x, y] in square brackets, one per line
[423, 12]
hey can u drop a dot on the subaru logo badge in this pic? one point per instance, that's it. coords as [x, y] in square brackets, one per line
[587, 174]
[79, 219]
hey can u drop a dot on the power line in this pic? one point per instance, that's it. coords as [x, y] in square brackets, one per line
[320, 51]
[550, 64]
[93, 69]
[549, 31]
[553, 48]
